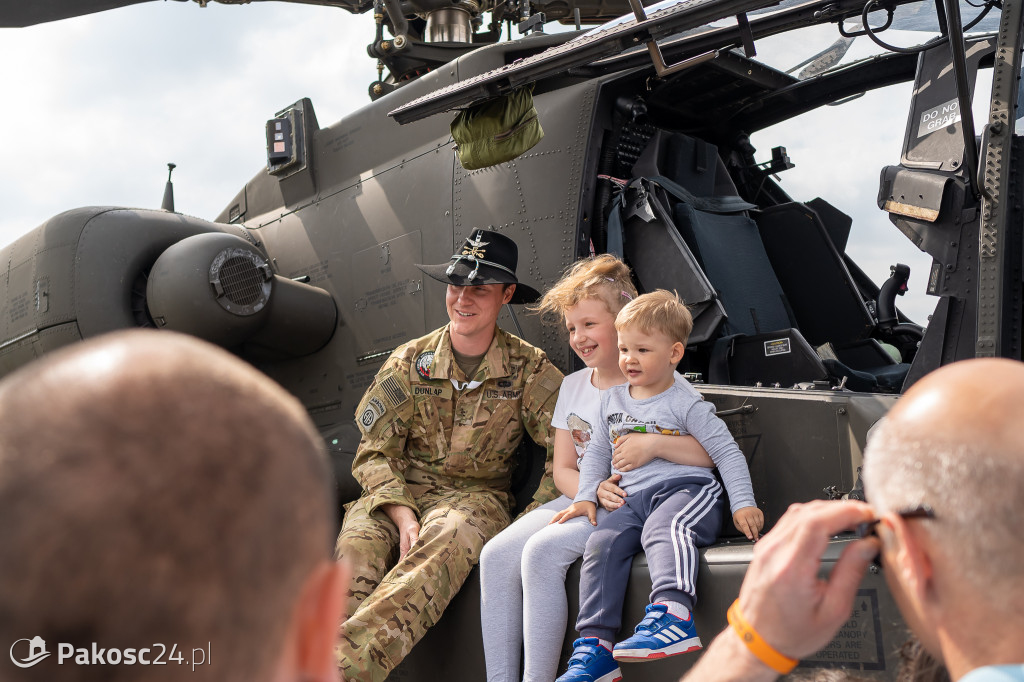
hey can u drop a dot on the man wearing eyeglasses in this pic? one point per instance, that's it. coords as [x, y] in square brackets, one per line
[944, 474]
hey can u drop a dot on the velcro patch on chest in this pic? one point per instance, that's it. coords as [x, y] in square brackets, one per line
[438, 390]
[503, 394]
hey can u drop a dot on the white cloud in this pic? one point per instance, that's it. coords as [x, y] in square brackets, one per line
[96, 106]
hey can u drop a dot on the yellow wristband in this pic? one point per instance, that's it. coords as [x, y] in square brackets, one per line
[763, 650]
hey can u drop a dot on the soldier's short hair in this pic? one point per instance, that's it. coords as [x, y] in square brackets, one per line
[603, 277]
[658, 310]
[157, 490]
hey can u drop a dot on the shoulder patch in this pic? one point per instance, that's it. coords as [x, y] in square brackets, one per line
[424, 362]
[393, 390]
[373, 410]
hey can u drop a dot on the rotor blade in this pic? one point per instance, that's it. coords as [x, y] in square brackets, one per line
[19, 13]
[824, 60]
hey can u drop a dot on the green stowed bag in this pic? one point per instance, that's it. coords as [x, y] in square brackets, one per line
[498, 130]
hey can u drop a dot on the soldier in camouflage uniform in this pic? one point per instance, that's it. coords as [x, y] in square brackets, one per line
[436, 456]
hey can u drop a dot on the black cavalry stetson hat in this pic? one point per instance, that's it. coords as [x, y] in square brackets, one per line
[485, 258]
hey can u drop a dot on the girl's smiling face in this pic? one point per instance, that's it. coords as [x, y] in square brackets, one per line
[592, 334]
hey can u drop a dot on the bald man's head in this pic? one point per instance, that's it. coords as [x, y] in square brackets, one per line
[954, 442]
[156, 490]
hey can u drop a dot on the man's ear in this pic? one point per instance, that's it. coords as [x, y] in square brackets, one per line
[507, 296]
[318, 614]
[911, 559]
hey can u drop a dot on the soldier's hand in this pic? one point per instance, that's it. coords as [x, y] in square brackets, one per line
[610, 495]
[576, 509]
[408, 526]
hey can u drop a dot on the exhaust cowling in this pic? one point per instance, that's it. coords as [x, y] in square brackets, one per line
[221, 288]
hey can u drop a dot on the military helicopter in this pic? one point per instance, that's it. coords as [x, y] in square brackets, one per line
[308, 271]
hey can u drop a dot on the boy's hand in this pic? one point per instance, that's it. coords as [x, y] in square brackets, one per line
[610, 495]
[577, 509]
[632, 450]
[749, 521]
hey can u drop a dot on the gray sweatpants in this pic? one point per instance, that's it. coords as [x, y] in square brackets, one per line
[522, 592]
[669, 520]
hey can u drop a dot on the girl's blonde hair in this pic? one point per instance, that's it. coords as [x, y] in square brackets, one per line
[604, 277]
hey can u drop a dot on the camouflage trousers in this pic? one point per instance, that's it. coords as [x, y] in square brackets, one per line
[391, 605]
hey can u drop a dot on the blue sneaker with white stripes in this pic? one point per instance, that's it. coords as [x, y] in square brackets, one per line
[591, 662]
[659, 635]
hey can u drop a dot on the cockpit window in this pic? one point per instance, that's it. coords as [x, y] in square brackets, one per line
[818, 49]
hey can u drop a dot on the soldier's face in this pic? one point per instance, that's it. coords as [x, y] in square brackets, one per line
[474, 310]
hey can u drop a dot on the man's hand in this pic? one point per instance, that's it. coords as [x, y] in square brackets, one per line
[782, 596]
[408, 526]
[749, 521]
[576, 509]
[633, 450]
[610, 495]
[783, 599]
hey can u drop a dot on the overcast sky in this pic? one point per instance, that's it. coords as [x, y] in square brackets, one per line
[95, 107]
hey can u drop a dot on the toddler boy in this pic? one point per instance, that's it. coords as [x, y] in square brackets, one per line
[670, 509]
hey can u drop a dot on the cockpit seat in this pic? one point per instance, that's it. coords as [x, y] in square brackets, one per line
[782, 284]
[866, 365]
[781, 358]
[822, 295]
[729, 249]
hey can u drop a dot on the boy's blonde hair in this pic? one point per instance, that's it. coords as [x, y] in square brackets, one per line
[659, 310]
[604, 277]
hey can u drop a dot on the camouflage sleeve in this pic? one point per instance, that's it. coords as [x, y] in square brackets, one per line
[383, 418]
[539, 398]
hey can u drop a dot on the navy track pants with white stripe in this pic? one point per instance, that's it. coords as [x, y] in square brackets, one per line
[669, 521]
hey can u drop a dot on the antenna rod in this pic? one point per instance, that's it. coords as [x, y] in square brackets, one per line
[168, 202]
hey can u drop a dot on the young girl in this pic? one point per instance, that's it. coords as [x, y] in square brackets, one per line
[522, 569]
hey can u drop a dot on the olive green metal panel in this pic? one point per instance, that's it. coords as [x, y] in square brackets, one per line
[37, 283]
[800, 445]
[21, 351]
[535, 199]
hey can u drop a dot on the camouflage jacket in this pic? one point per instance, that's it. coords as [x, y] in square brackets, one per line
[425, 425]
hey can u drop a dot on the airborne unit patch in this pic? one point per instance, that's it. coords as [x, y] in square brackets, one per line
[373, 410]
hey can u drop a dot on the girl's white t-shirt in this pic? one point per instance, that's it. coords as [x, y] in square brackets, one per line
[578, 409]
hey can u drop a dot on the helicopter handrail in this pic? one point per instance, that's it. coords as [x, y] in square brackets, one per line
[660, 67]
[603, 42]
[608, 46]
[761, 25]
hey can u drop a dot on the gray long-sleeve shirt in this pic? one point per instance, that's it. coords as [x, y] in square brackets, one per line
[679, 410]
